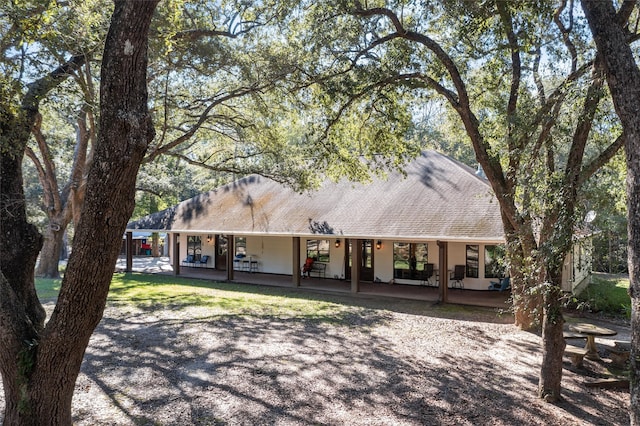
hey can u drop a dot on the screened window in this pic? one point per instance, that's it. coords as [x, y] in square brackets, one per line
[318, 250]
[494, 257]
[472, 261]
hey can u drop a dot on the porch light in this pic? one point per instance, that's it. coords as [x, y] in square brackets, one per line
[338, 243]
[209, 238]
[379, 244]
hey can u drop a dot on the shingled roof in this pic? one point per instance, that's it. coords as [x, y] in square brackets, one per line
[440, 198]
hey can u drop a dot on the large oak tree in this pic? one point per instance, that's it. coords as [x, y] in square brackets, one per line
[40, 362]
[531, 125]
[612, 37]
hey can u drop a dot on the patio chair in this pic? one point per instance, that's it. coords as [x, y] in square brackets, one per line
[203, 261]
[457, 276]
[502, 285]
[189, 261]
[428, 274]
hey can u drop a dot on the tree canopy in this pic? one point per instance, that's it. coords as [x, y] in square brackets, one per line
[297, 91]
[528, 90]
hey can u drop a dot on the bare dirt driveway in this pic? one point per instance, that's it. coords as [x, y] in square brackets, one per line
[372, 362]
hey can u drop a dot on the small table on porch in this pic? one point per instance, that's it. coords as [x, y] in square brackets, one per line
[590, 331]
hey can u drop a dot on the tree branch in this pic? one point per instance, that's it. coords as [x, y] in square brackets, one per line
[39, 88]
[595, 164]
[203, 118]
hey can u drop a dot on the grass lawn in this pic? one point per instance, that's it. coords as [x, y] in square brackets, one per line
[219, 298]
[608, 295]
[47, 288]
[152, 291]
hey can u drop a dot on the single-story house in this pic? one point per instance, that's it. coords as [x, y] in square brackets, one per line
[440, 215]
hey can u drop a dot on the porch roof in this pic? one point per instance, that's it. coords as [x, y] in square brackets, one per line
[439, 199]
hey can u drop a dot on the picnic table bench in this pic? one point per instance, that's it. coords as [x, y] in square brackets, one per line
[576, 354]
[620, 353]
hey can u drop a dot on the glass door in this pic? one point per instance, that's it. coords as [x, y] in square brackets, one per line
[366, 269]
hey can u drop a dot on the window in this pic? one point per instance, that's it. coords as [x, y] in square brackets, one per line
[472, 261]
[221, 244]
[494, 257]
[409, 260]
[194, 246]
[318, 250]
[241, 246]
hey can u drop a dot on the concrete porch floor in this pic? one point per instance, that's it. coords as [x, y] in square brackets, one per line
[161, 265]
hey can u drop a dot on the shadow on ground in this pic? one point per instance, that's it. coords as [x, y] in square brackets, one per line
[374, 367]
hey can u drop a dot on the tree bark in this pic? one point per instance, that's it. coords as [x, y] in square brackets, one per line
[40, 366]
[623, 78]
[50, 253]
[553, 343]
[21, 314]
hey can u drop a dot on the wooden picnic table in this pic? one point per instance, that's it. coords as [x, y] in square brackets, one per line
[591, 331]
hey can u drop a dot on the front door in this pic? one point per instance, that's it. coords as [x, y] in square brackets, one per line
[366, 269]
[222, 249]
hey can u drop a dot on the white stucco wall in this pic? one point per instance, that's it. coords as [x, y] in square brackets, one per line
[274, 254]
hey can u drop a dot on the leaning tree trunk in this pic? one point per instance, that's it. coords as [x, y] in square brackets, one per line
[21, 315]
[623, 78]
[39, 376]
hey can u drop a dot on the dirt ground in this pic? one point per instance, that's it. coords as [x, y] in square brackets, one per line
[393, 366]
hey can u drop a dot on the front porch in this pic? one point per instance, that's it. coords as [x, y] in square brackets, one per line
[162, 265]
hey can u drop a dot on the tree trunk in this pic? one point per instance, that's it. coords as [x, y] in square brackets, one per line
[21, 314]
[623, 78]
[155, 244]
[50, 253]
[59, 206]
[39, 383]
[526, 302]
[553, 345]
